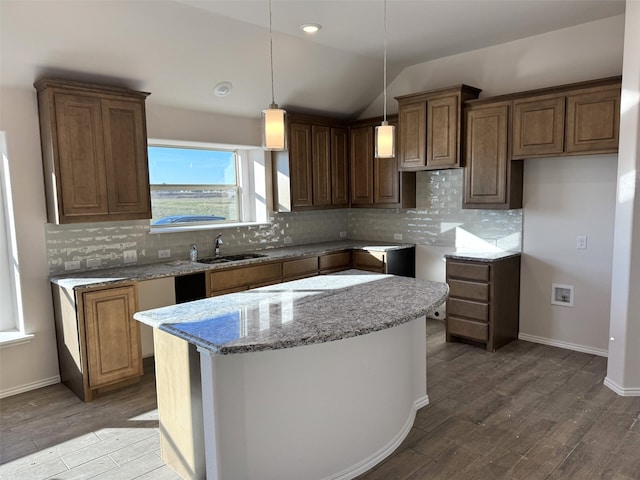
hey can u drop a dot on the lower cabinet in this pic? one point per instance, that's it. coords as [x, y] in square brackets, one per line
[395, 262]
[483, 304]
[98, 339]
[220, 282]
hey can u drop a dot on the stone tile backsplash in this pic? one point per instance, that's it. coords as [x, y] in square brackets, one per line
[438, 220]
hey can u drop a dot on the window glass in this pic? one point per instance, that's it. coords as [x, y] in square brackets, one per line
[193, 185]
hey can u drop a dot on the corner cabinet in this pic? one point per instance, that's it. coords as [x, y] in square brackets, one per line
[94, 151]
[377, 182]
[491, 179]
[313, 173]
[99, 345]
[430, 127]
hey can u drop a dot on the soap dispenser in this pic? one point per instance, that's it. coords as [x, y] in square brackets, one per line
[193, 253]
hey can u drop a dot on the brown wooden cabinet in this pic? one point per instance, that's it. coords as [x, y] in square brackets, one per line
[491, 180]
[575, 119]
[377, 182]
[94, 149]
[483, 303]
[395, 261]
[237, 279]
[430, 127]
[334, 262]
[313, 172]
[98, 339]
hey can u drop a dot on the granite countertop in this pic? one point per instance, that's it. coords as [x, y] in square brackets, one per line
[482, 256]
[112, 276]
[301, 312]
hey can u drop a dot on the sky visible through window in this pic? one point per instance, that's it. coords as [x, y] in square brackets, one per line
[188, 166]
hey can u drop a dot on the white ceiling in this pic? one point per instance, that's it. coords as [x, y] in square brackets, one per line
[178, 50]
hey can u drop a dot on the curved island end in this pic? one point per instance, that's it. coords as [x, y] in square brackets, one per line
[318, 378]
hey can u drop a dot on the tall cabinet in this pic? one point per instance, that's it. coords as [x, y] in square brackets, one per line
[94, 151]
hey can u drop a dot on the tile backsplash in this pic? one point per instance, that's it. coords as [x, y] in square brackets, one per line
[438, 220]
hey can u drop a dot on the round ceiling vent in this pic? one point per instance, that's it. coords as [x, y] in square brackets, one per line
[222, 89]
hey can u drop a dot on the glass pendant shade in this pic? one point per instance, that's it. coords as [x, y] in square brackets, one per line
[274, 135]
[385, 141]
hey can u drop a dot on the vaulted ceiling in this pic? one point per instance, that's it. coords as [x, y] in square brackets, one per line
[178, 50]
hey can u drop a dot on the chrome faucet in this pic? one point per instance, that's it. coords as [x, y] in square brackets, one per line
[217, 244]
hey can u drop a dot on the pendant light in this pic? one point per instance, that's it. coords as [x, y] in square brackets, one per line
[274, 135]
[385, 133]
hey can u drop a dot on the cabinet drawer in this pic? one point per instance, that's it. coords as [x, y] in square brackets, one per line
[464, 308]
[470, 290]
[244, 276]
[299, 268]
[468, 271]
[371, 261]
[335, 261]
[468, 329]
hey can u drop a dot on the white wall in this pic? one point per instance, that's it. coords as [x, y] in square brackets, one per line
[563, 198]
[623, 374]
[584, 52]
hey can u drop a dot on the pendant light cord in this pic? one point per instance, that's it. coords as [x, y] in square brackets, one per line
[384, 87]
[271, 55]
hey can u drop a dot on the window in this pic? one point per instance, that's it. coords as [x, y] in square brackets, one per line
[11, 319]
[195, 185]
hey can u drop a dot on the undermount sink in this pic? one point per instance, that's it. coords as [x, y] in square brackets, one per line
[231, 258]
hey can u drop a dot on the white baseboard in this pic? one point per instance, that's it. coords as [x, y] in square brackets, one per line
[624, 392]
[30, 386]
[385, 451]
[560, 344]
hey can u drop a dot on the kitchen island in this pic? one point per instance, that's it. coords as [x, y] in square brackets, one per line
[315, 378]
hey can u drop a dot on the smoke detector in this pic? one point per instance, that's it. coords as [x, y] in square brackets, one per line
[222, 89]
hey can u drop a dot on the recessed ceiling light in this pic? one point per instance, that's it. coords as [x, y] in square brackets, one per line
[310, 27]
[222, 89]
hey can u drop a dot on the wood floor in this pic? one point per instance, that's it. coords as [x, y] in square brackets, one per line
[527, 411]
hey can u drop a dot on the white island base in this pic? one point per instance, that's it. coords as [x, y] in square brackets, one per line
[326, 411]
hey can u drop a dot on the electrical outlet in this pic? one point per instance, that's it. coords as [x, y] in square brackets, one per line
[72, 265]
[94, 262]
[164, 253]
[130, 256]
[288, 240]
[343, 234]
[581, 242]
[397, 236]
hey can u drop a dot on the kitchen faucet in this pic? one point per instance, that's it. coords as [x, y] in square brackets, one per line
[217, 244]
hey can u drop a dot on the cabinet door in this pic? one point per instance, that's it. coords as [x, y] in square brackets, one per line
[593, 121]
[113, 336]
[321, 161]
[538, 127]
[340, 167]
[486, 155]
[126, 159]
[361, 156]
[82, 184]
[442, 132]
[386, 181]
[300, 165]
[412, 134]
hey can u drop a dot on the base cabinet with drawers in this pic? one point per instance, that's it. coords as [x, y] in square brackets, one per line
[483, 303]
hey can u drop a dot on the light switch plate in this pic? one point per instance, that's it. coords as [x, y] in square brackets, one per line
[397, 236]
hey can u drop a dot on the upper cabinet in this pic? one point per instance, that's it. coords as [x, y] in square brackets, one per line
[377, 182]
[313, 172]
[574, 119]
[94, 150]
[491, 180]
[430, 128]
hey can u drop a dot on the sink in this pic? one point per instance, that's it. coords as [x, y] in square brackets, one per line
[231, 258]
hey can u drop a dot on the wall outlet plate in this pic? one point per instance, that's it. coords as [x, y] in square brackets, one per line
[164, 253]
[130, 256]
[343, 234]
[288, 240]
[397, 236]
[581, 242]
[94, 262]
[72, 265]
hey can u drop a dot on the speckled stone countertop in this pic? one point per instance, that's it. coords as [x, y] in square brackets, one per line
[96, 278]
[482, 256]
[302, 312]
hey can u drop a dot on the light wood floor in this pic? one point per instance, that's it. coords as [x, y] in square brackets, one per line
[527, 411]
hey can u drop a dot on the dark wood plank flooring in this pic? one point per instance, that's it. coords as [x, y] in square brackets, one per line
[527, 411]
